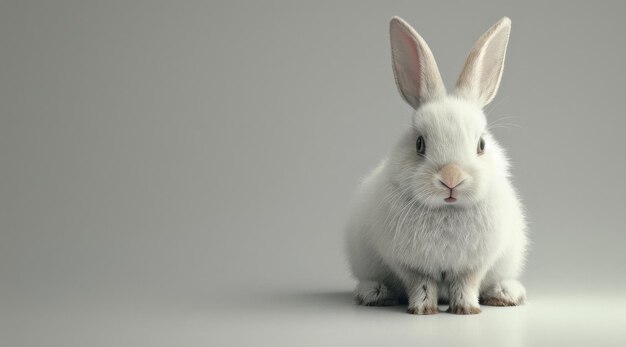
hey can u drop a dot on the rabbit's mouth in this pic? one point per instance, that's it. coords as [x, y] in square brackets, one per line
[453, 194]
[450, 177]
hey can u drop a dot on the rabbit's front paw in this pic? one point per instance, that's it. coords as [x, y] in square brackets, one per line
[423, 309]
[464, 309]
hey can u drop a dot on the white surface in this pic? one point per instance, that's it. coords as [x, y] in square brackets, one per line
[313, 319]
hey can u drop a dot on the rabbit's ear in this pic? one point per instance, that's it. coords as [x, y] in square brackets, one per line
[482, 72]
[414, 66]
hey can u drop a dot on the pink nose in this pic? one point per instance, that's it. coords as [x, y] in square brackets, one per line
[451, 176]
[447, 185]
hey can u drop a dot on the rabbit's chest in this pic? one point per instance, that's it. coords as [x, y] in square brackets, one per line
[442, 241]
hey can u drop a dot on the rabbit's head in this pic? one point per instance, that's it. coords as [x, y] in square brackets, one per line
[448, 158]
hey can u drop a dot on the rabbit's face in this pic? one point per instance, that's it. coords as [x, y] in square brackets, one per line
[448, 157]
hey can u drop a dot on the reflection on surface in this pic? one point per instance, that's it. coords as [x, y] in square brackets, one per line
[312, 318]
[330, 317]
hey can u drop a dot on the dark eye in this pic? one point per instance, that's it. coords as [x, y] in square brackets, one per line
[481, 146]
[420, 145]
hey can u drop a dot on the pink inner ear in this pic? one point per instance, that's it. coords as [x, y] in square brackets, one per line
[407, 65]
[481, 74]
[414, 66]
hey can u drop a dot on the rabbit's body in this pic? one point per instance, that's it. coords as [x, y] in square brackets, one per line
[415, 235]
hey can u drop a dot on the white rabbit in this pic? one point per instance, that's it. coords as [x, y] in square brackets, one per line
[439, 218]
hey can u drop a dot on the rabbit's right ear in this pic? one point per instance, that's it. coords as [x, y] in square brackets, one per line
[482, 71]
[414, 66]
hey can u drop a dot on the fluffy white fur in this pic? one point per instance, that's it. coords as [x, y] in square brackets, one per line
[404, 242]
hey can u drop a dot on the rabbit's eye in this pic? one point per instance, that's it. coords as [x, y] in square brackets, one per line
[420, 145]
[481, 146]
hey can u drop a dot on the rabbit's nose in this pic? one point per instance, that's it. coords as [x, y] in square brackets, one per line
[447, 184]
[451, 176]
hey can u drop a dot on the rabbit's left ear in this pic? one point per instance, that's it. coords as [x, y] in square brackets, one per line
[482, 72]
[414, 66]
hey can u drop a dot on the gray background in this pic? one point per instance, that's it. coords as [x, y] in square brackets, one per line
[174, 171]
